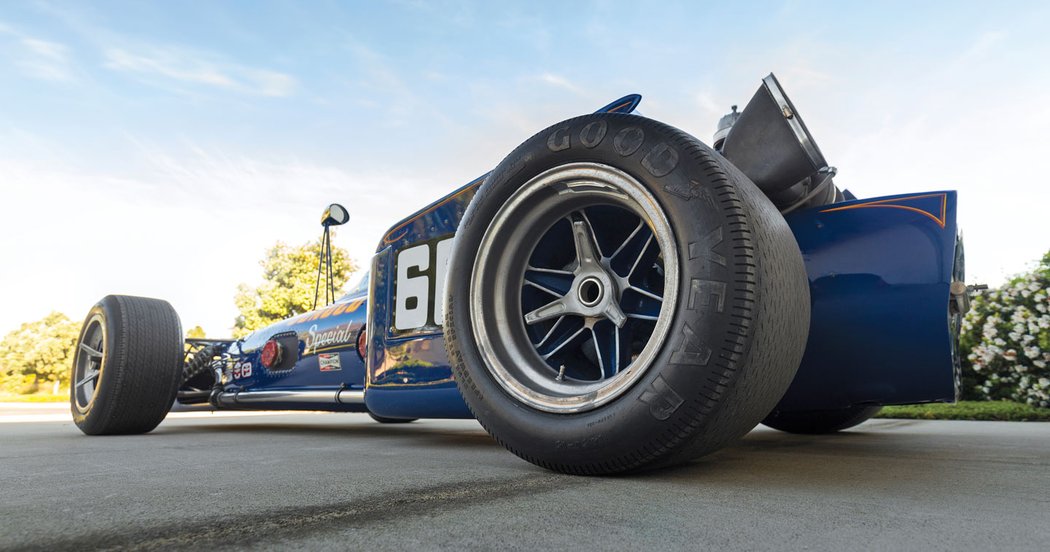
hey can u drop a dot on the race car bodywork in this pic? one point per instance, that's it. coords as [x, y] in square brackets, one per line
[880, 273]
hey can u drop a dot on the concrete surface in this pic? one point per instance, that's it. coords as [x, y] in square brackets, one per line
[341, 481]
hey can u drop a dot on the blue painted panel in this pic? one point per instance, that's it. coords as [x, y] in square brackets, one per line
[431, 401]
[331, 330]
[879, 272]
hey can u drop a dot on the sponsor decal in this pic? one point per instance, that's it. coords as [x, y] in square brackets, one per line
[339, 335]
[239, 370]
[329, 362]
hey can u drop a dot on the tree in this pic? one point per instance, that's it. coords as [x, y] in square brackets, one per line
[38, 354]
[1005, 341]
[195, 332]
[289, 277]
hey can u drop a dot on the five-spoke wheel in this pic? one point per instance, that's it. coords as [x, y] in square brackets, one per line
[599, 267]
[87, 367]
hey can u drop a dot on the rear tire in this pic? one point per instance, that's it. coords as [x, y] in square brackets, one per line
[821, 421]
[716, 314]
[127, 367]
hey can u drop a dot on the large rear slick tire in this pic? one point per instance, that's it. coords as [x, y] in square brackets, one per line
[127, 367]
[620, 297]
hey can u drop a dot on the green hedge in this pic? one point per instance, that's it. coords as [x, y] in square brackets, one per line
[1006, 411]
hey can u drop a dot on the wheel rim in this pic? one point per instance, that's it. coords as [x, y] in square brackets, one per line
[91, 356]
[573, 288]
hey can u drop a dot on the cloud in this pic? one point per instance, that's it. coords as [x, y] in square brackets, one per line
[378, 85]
[153, 63]
[38, 58]
[188, 226]
[559, 81]
[167, 63]
[46, 60]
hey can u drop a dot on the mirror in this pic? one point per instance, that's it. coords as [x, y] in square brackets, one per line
[334, 215]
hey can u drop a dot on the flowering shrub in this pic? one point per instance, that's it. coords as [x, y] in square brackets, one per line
[1007, 337]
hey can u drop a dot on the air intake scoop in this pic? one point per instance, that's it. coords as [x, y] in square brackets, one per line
[771, 145]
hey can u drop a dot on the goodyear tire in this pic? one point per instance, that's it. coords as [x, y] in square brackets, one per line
[127, 366]
[620, 297]
[821, 421]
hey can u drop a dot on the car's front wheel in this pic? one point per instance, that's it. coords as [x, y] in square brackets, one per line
[127, 366]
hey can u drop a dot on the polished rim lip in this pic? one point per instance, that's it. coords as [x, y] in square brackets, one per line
[577, 398]
[83, 360]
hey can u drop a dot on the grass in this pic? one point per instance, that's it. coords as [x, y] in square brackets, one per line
[35, 397]
[969, 410]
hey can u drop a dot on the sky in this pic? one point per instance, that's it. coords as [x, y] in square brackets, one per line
[159, 148]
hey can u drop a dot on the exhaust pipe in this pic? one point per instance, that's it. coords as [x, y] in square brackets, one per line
[247, 399]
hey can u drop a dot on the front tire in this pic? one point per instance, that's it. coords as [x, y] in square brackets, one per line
[621, 297]
[127, 367]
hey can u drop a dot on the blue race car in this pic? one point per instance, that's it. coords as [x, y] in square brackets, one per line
[614, 295]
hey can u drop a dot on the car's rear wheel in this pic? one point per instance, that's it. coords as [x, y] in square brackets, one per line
[620, 297]
[127, 366]
[821, 421]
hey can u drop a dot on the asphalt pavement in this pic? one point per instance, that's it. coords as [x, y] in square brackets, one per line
[341, 482]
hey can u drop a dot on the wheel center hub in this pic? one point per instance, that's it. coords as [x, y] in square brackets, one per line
[590, 291]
